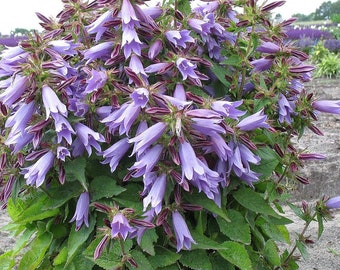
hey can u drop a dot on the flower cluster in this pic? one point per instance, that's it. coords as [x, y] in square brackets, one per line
[172, 104]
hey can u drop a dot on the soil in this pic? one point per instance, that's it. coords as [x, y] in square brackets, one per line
[324, 253]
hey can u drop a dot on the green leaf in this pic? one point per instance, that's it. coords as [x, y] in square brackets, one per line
[148, 240]
[36, 254]
[164, 257]
[7, 261]
[269, 161]
[233, 60]
[302, 248]
[184, 6]
[296, 210]
[75, 170]
[77, 238]
[130, 197]
[104, 186]
[32, 210]
[320, 224]
[236, 254]
[196, 259]
[108, 260]
[276, 232]
[206, 203]
[271, 253]
[61, 257]
[203, 242]
[254, 201]
[220, 73]
[238, 229]
[141, 260]
[24, 238]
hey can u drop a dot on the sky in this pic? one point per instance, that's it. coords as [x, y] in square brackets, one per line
[21, 13]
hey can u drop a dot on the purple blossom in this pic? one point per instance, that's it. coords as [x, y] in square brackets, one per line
[145, 139]
[262, 64]
[63, 47]
[228, 108]
[256, 120]
[286, 109]
[19, 119]
[98, 26]
[122, 118]
[183, 235]
[268, 47]
[14, 91]
[333, 202]
[81, 214]
[62, 153]
[179, 38]
[155, 48]
[63, 128]
[102, 50]
[327, 106]
[120, 226]
[96, 81]
[115, 153]
[140, 97]
[128, 13]
[186, 68]
[137, 67]
[189, 161]
[218, 145]
[147, 161]
[88, 137]
[52, 103]
[36, 173]
[156, 194]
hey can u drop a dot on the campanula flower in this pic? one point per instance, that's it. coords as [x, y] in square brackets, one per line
[62, 153]
[14, 91]
[268, 47]
[36, 173]
[228, 108]
[262, 64]
[96, 81]
[189, 161]
[186, 68]
[52, 103]
[155, 48]
[140, 97]
[333, 202]
[63, 46]
[120, 226]
[145, 139]
[19, 140]
[88, 137]
[98, 26]
[63, 128]
[256, 120]
[102, 50]
[183, 235]
[156, 193]
[286, 109]
[179, 38]
[115, 153]
[81, 214]
[19, 119]
[327, 106]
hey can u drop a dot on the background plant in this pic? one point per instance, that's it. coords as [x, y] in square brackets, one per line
[155, 137]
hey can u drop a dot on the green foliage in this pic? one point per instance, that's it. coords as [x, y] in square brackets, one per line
[329, 66]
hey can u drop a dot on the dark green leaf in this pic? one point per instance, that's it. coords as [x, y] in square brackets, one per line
[184, 6]
[61, 257]
[253, 201]
[141, 260]
[269, 161]
[196, 259]
[296, 210]
[77, 239]
[75, 170]
[104, 186]
[164, 257]
[302, 248]
[236, 254]
[206, 203]
[237, 229]
[148, 240]
[220, 73]
[36, 254]
[270, 252]
[320, 224]
[233, 60]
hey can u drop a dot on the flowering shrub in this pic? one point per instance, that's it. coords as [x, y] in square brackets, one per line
[155, 137]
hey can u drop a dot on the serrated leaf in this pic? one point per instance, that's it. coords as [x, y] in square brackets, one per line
[164, 257]
[208, 204]
[148, 240]
[271, 254]
[236, 254]
[276, 232]
[108, 259]
[75, 170]
[253, 201]
[237, 229]
[141, 260]
[36, 254]
[196, 259]
[104, 187]
[77, 238]
[269, 161]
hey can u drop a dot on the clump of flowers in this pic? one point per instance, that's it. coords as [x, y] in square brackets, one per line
[132, 134]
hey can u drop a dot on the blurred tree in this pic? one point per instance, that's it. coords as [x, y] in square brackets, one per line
[324, 11]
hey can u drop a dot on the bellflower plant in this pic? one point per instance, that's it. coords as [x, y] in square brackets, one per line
[156, 137]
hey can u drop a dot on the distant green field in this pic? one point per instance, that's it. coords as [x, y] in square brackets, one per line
[312, 22]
